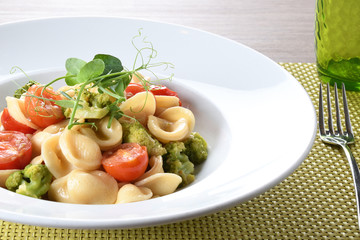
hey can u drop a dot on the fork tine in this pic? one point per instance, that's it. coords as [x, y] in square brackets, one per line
[337, 109]
[321, 112]
[330, 121]
[346, 111]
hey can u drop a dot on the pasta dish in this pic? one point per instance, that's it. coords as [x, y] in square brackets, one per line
[108, 136]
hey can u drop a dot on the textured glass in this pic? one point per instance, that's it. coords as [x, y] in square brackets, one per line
[338, 42]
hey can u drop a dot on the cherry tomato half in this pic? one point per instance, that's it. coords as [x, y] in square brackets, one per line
[134, 88]
[127, 162]
[15, 150]
[10, 124]
[41, 112]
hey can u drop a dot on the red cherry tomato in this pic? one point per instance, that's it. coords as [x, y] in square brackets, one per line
[127, 162]
[15, 150]
[41, 112]
[10, 124]
[162, 90]
[134, 88]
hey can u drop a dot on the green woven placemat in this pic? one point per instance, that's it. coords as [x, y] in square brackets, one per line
[317, 201]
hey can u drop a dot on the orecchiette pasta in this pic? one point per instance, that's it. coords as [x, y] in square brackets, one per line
[82, 187]
[161, 183]
[71, 90]
[131, 193]
[80, 150]
[106, 138]
[39, 137]
[37, 141]
[156, 164]
[140, 106]
[173, 124]
[164, 102]
[53, 157]
[37, 160]
[57, 127]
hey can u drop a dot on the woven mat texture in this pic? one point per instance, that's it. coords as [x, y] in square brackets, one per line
[317, 201]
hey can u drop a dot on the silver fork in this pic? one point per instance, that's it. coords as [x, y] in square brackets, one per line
[340, 137]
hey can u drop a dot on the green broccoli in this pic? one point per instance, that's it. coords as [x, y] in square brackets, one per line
[196, 148]
[134, 132]
[24, 88]
[33, 181]
[176, 161]
[93, 106]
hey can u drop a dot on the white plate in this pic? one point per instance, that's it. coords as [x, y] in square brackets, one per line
[259, 122]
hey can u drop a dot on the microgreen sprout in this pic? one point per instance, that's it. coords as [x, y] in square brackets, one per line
[107, 74]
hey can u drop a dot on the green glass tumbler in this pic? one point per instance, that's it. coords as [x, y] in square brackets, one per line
[337, 42]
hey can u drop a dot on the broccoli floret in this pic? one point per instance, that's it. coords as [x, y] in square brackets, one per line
[33, 181]
[134, 132]
[24, 88]
[100, 100]
[196, 148]
[93, 106]
[176, 161]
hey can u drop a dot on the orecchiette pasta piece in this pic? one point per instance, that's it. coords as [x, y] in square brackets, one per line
[40, 136]
[69, 90]
[131, 193]
[174, 113]
[82, 187]
[166, 131]
[161, 183]
[4, 174]
[165, 102]
[106, 138]
[53, 157]
[37, 140]
[16, 110]
[80, 150]
[37, 160]
[173, 124]
[139, 106]
[156, 164]
[57, 127]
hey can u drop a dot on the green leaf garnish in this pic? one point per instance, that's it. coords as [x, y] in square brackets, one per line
[73, 66]
[91, 70]
[112, 64]
[65, 103]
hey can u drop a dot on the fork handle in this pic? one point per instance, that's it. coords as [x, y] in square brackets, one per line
[356, 176]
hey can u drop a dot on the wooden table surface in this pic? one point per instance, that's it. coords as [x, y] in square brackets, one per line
[281, 29]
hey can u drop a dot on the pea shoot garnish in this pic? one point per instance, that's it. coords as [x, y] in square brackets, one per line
[107, 75]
